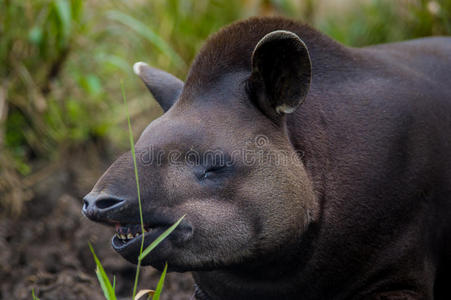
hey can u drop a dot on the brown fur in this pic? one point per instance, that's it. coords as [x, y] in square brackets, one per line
[230, 49]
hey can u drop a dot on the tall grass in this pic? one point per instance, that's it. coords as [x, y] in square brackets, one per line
[33, 295]
[383, 21]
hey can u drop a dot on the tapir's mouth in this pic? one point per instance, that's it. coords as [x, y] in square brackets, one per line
[127, 239]
[126, 233]
[129, 234]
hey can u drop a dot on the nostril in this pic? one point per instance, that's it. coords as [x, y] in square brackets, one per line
[106, 203]
[95, 203]
[85, 205]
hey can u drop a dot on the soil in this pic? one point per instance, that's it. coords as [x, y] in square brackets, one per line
[46, 248]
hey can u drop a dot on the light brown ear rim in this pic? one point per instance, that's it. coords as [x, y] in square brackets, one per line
[164, 87]
[137, 67]
[280, 35]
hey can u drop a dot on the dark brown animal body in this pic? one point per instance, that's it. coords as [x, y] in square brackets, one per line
[362, 209]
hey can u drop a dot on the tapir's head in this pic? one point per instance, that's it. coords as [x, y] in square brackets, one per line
[220, 155]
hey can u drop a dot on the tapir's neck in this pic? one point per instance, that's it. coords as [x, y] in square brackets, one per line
[277, 275]
[235, 285]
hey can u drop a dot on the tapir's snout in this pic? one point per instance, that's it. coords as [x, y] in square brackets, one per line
[101, 207]
[122, 213]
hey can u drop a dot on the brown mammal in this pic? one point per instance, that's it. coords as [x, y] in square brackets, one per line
[345, 197]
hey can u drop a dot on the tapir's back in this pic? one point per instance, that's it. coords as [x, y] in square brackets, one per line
[381, 110]
[364, 99]
[418, 81]
[430, 57]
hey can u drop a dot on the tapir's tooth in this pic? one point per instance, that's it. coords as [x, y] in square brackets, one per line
[136, 234]
[123, 237]
[130, 236]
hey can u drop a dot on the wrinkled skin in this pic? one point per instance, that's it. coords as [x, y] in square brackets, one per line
[327, 199]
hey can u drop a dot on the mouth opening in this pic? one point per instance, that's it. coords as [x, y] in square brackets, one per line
[125, 233]
[128, 237]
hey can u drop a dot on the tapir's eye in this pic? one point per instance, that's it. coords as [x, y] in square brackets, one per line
[213, 171]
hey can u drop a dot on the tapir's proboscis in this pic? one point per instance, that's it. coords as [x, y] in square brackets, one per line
[305, 169]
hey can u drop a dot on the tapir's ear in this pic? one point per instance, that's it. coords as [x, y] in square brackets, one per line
[281, 73]
[165, 88]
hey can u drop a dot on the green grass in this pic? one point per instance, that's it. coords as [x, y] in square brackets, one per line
[33, 295]
[148, 34]
[105, 284]
[159, 288]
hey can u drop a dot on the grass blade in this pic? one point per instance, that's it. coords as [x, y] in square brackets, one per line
[63, 10]
[141, 293]
[105, 283]
[160, 239]
[33, 295]
[168, 231]
[156, 296]
[132, 146]
[150, 35]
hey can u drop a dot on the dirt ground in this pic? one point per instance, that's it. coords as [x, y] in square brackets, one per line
[46, 248]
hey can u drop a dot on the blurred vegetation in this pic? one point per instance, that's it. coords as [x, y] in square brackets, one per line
[61, 62]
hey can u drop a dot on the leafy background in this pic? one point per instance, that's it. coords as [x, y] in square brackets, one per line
[62, 119]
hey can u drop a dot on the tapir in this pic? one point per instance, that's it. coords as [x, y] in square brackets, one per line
[304, 169]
